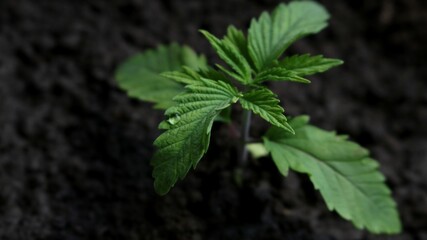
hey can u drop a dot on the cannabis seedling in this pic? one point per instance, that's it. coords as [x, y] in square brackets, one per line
[195, 95]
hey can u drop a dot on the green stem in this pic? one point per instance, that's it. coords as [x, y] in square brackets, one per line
[246, 124]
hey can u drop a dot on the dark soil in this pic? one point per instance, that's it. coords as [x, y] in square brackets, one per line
[75, 150]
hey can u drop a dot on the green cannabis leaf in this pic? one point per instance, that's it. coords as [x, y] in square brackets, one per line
[231, 54]
[303, 65]
[188, 76]
[294, 68]
[346, 176]
[139, 75]
[264, 102]
[269, 36]
[238, 39]
[188, 130]
[279, 74]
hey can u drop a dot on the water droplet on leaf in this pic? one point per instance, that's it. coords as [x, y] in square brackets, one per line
[174, 120]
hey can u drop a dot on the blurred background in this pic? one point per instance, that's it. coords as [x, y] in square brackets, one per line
[75, 150]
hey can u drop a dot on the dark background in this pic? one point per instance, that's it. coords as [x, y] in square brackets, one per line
[75, 150]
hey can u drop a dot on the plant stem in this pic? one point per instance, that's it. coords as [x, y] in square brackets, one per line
[246, 124]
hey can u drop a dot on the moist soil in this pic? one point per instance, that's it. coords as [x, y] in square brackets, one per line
[75, 150]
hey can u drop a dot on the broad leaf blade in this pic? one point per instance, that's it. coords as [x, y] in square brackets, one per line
[155, 88]
[346, 176]
[270, 35]
[188, 76]
[279, 74]
[264, 102]
[188, 129]
[304, 65]
[139, 75]
[230, 53]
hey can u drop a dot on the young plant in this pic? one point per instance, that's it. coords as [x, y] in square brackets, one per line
[195, 95]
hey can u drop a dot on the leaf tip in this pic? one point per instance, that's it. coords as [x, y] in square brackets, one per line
[206, 34]
[289, 128]
[161, 189]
